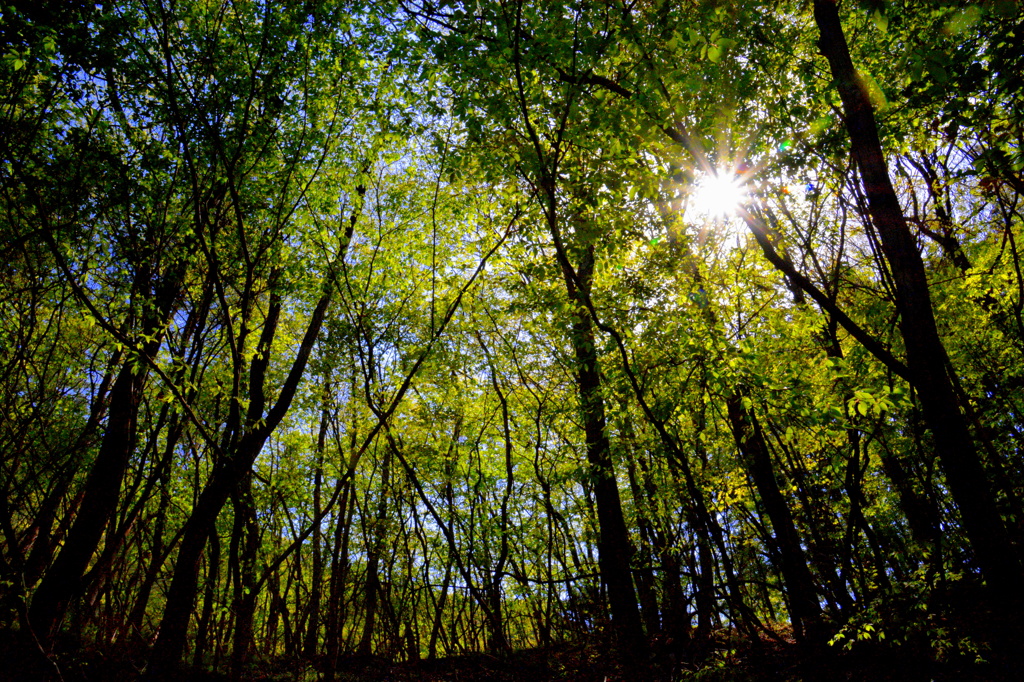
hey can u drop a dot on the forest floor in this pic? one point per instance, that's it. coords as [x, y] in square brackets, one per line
[723, 660]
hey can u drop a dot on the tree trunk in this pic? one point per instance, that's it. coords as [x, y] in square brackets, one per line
[63, 581]
[376, 540]
[339, 578]
[926, 356]
[615, 550]
[645, 581]
[312, 635]
[614, 547]
[498, 640]
[209, 594]
[246, 545]
[805, 609]
[158, 549]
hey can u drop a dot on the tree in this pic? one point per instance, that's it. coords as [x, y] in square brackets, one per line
[926, 356]
[411, 330]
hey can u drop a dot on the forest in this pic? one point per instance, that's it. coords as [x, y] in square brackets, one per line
[511, 340]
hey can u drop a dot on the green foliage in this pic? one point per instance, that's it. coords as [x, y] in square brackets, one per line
[470, 183]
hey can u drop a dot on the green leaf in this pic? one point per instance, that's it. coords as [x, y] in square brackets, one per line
[963, 20]
[937, 71]
[880, 21]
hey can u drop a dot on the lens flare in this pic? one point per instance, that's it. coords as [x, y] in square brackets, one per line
[717, 195]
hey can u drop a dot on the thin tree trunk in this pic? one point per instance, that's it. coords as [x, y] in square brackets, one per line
[498, 640]
[209, 594]
[438, 623]
[63, 582]
[376, 539]
[615, 550]
[246, 544]
[335, 585]
[312, 636]
[805, 609]
[644, 573]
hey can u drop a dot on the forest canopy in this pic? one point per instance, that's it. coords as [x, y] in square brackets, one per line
[415, 329]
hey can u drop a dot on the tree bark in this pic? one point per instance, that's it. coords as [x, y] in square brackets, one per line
[206, 616]
[312, 635]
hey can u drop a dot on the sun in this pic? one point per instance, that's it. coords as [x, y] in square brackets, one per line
[716, 195]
